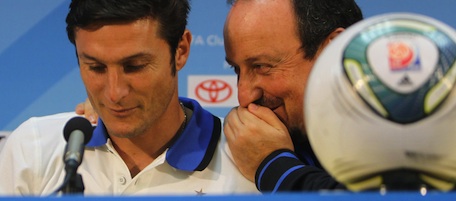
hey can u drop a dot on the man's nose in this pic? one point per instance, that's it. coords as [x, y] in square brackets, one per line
[117, 86]
[248, 91]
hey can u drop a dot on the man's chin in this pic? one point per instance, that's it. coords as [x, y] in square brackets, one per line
[123, 134]
[122, 131]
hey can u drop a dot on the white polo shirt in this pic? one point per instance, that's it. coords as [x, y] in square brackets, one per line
[198, 162]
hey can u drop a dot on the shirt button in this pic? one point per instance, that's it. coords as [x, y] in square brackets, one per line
[122, 180]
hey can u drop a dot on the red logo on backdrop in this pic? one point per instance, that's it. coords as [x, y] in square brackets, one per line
[213, 91]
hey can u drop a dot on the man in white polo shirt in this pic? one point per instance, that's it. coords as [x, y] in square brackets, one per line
[148, 140]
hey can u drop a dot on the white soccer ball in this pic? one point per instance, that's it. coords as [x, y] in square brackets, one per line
[381, 97]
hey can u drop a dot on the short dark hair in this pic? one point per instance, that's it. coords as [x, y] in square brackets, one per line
[316, 19]
[319, 18]
[171, 15]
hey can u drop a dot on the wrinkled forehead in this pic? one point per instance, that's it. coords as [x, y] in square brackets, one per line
[261, 24]
[258, 15]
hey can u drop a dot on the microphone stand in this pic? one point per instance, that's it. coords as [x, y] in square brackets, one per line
[73, 181]
[75, 185]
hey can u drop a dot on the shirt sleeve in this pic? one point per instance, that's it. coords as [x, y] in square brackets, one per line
[283, 171]
[16, 161]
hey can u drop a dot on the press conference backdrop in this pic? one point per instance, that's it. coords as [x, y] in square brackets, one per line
[39, 73]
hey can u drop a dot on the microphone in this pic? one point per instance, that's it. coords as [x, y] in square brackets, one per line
[77, 133]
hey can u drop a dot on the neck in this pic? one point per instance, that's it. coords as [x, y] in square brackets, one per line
[139, 151]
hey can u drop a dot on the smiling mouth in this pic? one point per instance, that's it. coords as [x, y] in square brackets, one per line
[121, 112]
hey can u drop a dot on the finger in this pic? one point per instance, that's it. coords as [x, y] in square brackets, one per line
[80, 109]
[230, 123]
[246, 117]
[228, 116]
[266, 115]
[90, 113]
[227, 125]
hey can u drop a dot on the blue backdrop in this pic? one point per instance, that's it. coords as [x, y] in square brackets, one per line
[39, 73]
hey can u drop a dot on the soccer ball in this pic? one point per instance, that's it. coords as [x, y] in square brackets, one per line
[380, 104]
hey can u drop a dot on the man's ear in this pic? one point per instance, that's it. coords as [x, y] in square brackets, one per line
[183, 50]
[328, 39]
[333, 35]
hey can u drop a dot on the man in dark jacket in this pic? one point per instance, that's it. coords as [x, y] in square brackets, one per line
[272, 46]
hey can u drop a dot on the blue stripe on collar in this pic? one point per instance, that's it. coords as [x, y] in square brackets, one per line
[99, 136]
[193, 149]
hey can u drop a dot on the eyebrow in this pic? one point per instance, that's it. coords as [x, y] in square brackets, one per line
[123, 60]
[141, 55]
[256, 58]
[275, 58]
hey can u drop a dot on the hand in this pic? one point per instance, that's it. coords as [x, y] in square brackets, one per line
[86, 109]
[252, 134]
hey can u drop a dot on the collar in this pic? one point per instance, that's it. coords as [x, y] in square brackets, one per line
[304, 151]
[194, 147]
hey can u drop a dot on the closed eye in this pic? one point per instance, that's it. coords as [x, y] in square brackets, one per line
[97, 68]
[262, 68]
[133, 68]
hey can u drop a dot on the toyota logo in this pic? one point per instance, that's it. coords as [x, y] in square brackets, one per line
[213, 91]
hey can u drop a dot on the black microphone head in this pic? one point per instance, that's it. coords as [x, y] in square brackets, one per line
[78, 123]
